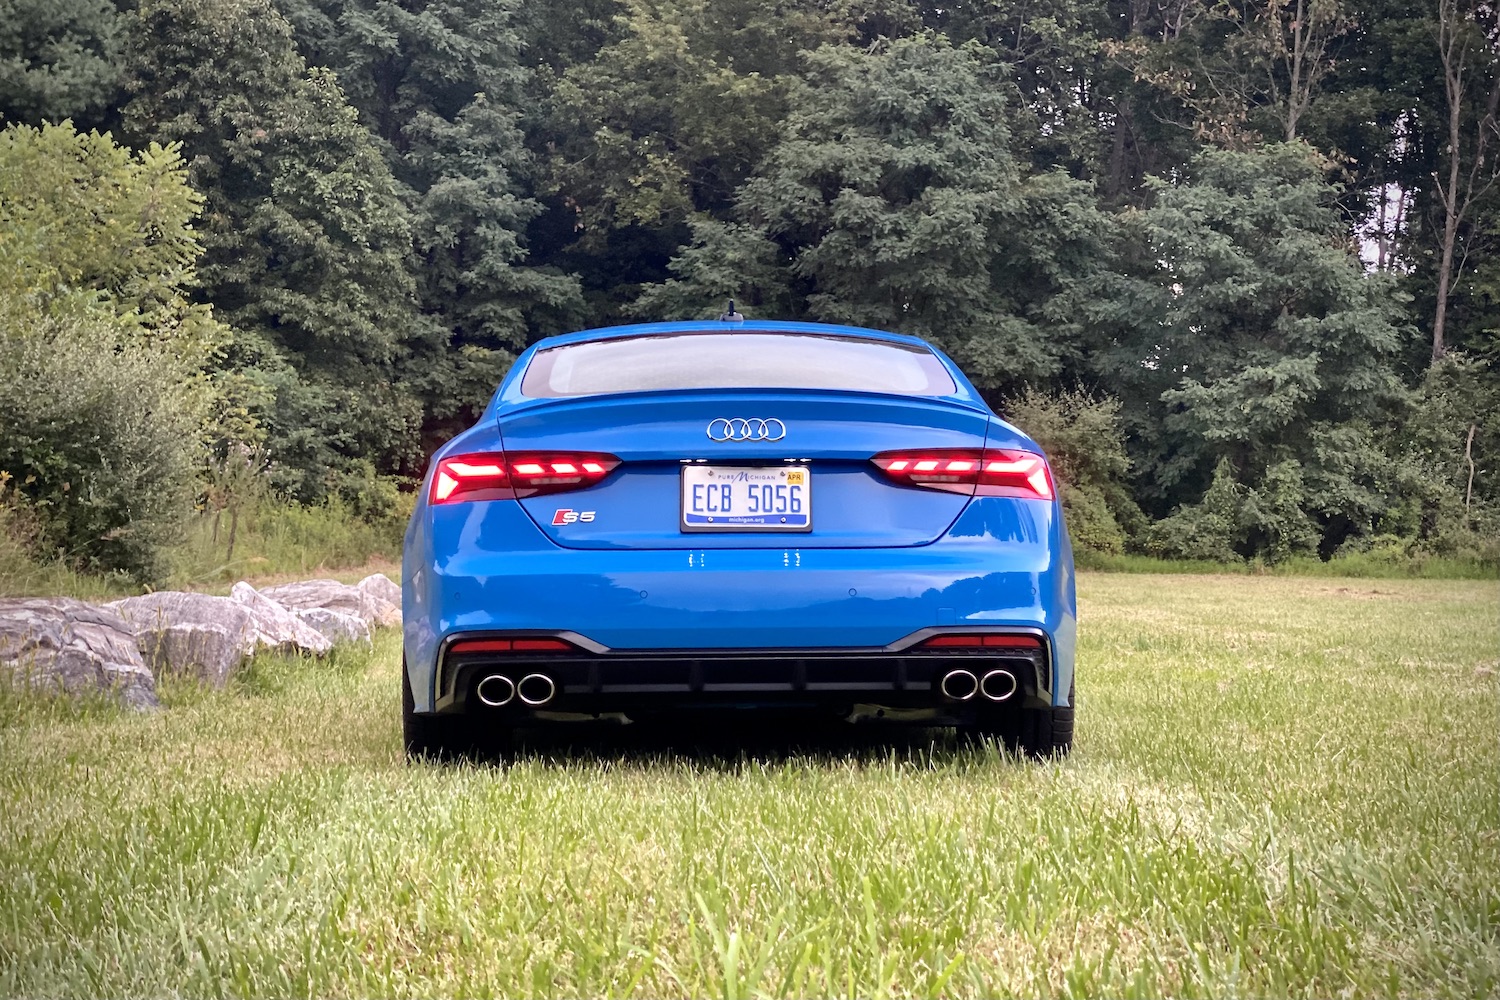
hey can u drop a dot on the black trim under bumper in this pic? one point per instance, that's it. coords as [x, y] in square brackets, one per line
[595, 679]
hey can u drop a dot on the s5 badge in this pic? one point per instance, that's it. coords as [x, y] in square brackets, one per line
[567, 516]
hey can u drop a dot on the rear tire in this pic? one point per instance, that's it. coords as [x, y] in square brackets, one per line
[1036, 732]
[433, 737]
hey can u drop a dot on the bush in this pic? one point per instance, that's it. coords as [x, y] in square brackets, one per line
[1082, 439]
[1234, 521]
[101, 442]
[1208, 530]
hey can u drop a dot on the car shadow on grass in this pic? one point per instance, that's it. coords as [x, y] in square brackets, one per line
[731, 744]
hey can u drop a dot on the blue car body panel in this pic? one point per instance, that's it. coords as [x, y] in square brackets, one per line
[879, 565]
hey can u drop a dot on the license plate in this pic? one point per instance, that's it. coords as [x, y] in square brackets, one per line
[737, 498]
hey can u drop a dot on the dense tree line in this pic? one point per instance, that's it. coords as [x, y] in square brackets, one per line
[1236, 263]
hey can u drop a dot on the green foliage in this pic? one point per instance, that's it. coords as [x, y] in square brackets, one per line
[484, 304]
[1274, 515]
[662, 127]
[899, 206]
[1085, 446]
[440, 86]
[726, 260]
[101, 398]
[1050, 53]
[398, 196]
[101, 440]
[1234, 520]
[888, 185]
[59, 59]
[87, 226]
[1208, 530]
[274, 538]
[1243, 329]
[24, 572]
[1393, 562]
[307, 242]
[1445, 453]
[673, 116]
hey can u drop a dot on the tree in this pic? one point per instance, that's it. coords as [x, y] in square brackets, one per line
[726, 260]
[88, 226]
[674, 116]
[1051, 55]
[1082, 438]
[103, 399]
[1244, 335]
[1291, 43]
[662, 127]
[895, 198]
[59, 59]
[441, 86]
[1467, 50]
[307, 243]
[1245, 69]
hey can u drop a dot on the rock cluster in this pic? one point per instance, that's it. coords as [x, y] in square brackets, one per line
[120, 648]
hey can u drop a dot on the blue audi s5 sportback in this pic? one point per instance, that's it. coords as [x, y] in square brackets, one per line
[737, 516]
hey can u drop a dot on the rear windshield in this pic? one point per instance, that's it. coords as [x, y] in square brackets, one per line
[735, 361]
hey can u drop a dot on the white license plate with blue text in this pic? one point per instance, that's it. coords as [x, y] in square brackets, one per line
[736, 498]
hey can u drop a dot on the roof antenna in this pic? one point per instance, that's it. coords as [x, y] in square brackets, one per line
[730, 316]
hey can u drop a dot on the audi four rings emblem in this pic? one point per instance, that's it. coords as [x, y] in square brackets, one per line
[746, 429]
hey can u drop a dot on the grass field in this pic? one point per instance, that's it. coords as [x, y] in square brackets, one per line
[1281, 786]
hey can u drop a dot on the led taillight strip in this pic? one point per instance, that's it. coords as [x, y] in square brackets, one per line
[990, 472]
[501, 476]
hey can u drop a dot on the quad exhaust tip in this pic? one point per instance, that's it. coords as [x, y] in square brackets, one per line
[998, 685]
[495, 690]
[960, 685]
[536, 689]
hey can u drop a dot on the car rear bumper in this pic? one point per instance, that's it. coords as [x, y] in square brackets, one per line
[594, 680]
[647, 616]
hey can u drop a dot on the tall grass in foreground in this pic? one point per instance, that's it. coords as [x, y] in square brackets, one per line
[1281, 786]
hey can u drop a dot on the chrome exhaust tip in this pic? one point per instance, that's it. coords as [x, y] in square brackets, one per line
[998, 685]
[960, 685]
[495, 690]
[536, 689]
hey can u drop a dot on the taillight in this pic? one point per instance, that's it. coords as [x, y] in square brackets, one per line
[993, 472]
[982, 641]
[498, 475]
[542, 645]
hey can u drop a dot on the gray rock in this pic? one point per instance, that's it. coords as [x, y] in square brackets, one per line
[193, 634]
[387, 596]
[277, 627]
[335, 626]
[328, 594]
[67, 645]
